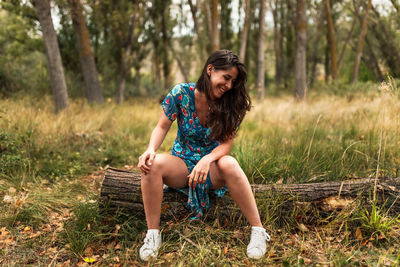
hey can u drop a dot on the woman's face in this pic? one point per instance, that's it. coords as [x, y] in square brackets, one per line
[221, 80]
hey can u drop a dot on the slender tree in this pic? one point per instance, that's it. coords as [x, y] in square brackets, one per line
[290, 39]
[88, 66]
[54, 63]
[277, 42]
[126, 51]
[332, 45]
[388, 45]
[214, 25]
[300, 66]
[197, 28]
[261, 51]
[361, 43]
[245, 31]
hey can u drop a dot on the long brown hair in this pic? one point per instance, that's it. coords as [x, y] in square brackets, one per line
[227, 112]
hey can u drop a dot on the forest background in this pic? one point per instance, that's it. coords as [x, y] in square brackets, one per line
[80, 85]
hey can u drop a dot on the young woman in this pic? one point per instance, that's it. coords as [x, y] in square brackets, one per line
[209, 113]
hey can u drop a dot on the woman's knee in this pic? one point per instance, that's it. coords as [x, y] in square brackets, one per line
[156, 168]
[228, 164]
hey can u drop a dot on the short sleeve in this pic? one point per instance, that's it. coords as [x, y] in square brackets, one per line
[171, 103]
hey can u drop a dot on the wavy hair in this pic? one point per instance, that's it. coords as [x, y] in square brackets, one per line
[227, 112]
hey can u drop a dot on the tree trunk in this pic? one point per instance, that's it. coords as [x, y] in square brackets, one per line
[54, 63]
[165, 46]
[126, 54]
[193, 10]
[215, 26]
[243, 41]
[315, 46]
[277, 44]
[300, 76]
[261, 51]
[89, 71]
[346, 43]
[121, 189]
[387, 44]
[180, 64]
[332, 44]
[290, 43]
[361, 43]
[373, 60]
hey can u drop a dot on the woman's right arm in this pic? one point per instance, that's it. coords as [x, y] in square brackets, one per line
[156, 139]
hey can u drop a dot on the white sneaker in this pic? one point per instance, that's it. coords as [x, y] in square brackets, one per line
[152, 243]
[257, 246]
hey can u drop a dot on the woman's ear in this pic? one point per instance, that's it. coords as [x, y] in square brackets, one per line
[209, 68]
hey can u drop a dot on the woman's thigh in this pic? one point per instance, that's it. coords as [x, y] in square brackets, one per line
[225, 168]
[173, 170]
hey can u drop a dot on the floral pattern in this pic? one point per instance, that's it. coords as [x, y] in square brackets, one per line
[191, 144]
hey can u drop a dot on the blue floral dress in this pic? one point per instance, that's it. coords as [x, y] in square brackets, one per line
[191, 144]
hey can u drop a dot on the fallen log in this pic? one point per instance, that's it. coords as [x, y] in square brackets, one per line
[121, 189]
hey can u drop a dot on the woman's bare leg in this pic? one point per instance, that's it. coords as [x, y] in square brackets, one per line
[167, 169]
[227, 171]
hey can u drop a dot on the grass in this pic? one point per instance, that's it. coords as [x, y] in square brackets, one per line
[51, 168]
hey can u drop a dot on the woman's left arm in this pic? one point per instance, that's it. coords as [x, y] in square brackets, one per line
[200, 171]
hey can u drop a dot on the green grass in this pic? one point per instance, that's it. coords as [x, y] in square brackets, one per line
[51, 168]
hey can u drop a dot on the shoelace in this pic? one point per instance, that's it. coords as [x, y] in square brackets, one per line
[148, 240]
[259, 236]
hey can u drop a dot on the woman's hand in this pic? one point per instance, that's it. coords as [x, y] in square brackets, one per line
[145, 161]
[199, 172]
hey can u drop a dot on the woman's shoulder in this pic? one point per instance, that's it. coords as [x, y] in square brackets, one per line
[184, 88]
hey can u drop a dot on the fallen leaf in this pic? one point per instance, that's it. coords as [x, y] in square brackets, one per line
[238, 234]
[365, 242]
[358, 234]
[302, 227]
[88, 251]
[89, 259]
[187, 231]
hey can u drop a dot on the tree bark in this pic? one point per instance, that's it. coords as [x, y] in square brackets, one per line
[89, 71]
[121, 189]
[300, 66]
[361, 43]
[193, 10]
[346, 43]
[165, 46]
[215, 26]
[373, 60]
[290, 42]
[277, 44]
[315, 46]
[387, 44]
[125, 56]
[54, 62]
[332, 44]
[261, 51]
[243, 41]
